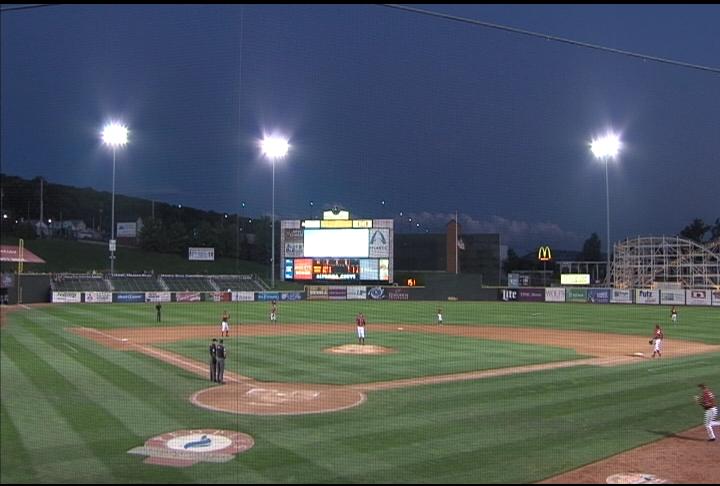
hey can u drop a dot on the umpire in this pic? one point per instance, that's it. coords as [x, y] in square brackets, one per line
[220, 355]
[213, 360]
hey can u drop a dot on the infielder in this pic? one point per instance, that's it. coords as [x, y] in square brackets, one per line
[224, 326]
[360, 322]
[707, 401]
[439, 317]
[657, 340]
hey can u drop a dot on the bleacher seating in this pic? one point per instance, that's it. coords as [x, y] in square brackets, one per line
[140, 283]
[79, 283]
[177, 283]
[237, 283]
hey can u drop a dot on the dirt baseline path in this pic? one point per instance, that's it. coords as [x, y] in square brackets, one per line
[685, 457]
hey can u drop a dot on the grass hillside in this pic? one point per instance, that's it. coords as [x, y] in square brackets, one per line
[80, 256]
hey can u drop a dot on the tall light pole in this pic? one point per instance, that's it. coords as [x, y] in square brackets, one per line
[274, 148]
[605, 148]
[114, 135]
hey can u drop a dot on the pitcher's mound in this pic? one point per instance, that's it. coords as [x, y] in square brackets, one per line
[359, 349]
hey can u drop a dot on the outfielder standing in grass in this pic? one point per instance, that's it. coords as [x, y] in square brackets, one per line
[707, 401]
[673, 314]
[439, 317]
[360, 322]
[273, 312]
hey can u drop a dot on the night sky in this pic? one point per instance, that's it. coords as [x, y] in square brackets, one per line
[429, 115]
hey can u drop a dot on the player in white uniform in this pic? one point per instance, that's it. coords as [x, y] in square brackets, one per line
[657, 341]
[225, 326]
[673, 314]
[360, 321]
[273, 312]
[439, 317]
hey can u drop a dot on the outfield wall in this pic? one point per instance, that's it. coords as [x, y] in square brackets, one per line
[691, 297]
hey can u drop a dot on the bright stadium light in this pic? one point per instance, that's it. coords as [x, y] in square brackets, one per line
[273, 147]
[114, 135]
[605, 148]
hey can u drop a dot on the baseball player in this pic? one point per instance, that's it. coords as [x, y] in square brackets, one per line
[273, 312]
[673, 314]
[224, 326]
[158, 307]
[220, 355]
[707, 401]
[657, 339]
[360, 322]
[439, 317]
[213, 360]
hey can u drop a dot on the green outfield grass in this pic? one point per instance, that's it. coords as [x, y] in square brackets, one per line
[71, 408]
[301, 359]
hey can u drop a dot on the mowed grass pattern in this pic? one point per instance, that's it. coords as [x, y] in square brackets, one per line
[70, 408]
[303, 359]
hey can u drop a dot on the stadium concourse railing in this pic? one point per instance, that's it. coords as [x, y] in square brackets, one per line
[678, 297]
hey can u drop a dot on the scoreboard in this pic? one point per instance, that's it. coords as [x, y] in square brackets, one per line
[337, 250]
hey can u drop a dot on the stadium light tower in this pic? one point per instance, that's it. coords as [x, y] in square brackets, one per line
[115, 135]
[605, 148]
[274, 148]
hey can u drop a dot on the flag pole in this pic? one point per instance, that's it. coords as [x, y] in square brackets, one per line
[456, 243]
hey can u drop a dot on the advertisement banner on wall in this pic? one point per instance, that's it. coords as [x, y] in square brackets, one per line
[508, 295]
[672, 296]
[555, 295]
[316, 292]
[576, 295]
[127, 297]
[531, 295]
[187, 296]
[398, 294]
[647, 296]
[599, 296]
[357, 292]
[697, 297]
[716, 297]
[267, 296]
[65, 297]
[201, 254]
[98, 297]
[294, 243]
[376, 293]
[218, 297]
[621, 296]
[157, 296]
[379, 243]
[243, 296]
[292, 296]
[337, 293]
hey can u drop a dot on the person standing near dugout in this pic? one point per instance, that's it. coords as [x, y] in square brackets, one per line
[213, 360]
[707, 401]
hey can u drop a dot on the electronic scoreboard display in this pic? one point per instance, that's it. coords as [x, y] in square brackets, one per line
[344, 250]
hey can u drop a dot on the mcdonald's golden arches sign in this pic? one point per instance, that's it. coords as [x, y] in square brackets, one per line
[544, 254]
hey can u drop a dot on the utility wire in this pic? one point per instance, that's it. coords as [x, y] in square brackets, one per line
[552, 38]
[26, 7]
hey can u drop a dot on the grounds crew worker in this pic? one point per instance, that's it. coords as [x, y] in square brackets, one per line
[213, 360]
[220, 354]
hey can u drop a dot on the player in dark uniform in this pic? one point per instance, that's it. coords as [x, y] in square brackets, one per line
[157, 308]
[213, 360]
[220, 355]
